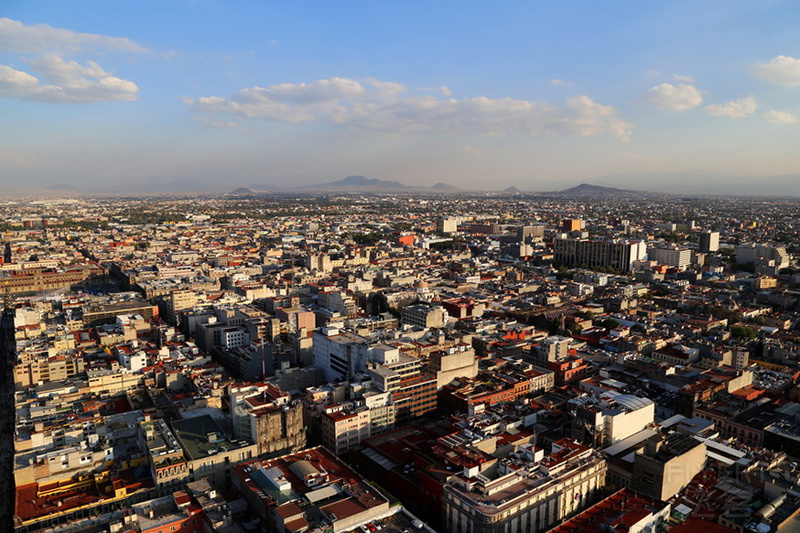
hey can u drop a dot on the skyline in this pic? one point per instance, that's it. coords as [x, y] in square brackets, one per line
[532, 95]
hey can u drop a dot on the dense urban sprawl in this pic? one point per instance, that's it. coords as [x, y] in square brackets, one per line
[462, 363]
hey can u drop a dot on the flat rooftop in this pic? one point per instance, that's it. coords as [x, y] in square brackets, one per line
[201, 437]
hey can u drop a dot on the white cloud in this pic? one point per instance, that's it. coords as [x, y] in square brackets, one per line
[735, 108]
[779, 117]
[678, 97]
[387, 107]
[65, 82]
[16, 36]
[559, 83]
[780, 70]
[54, 79]
[683, 78]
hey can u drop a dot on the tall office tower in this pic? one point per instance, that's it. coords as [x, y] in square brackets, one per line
[709, 241]
[8, 356]
[7, 253]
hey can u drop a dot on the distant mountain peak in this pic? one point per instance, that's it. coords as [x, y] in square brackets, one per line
[512, 190]
[587, 188]
[360, 182]
[441, 186]
[357, 181]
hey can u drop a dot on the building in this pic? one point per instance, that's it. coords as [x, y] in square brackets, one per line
[340, 355]
[208, 451]
[667, 464]
[612, 417]
[525, 494]
[676, 257]
[622, 512]
[618, 255]
[572, 224]
[424, 316]
[344, 426]
[309, 490]
[709, 241]
[751, 253]
[447, 225]
[268, 417]
[458, 361]
[414, 391]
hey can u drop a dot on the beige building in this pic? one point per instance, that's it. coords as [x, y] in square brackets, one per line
[667, 464]
[455, 362]
[344, 426]
[112, 381]
[424, 316]
[36, 369]
[525, 495]
[270, 419]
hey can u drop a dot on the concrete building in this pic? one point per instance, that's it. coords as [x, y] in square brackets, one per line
[573, 224]
[612, 417]
[709, 242]
[676, 257]
[340, 355]
[754, 252]
[618, 255]
[525, 494]
[667, 464]
[309, 490]
[413, 391]
[456, 362]
[447, 225]
[268, 417]
[424, 316]
[623, 511]
[344, 426]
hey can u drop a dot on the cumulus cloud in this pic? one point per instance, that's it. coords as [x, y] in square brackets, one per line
[779, 117]
[678, 97]
[64, 82]
[780, 70]
[735, 108]
[54, 79]
[386, 107]
[15, 36]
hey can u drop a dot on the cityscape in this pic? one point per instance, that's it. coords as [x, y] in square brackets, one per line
[587, 360]
[358, 267]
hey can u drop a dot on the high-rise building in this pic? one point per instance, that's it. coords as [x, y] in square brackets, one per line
[616, 254]
[709, 241]
[447, 225]
[677, 257]
[573, 224]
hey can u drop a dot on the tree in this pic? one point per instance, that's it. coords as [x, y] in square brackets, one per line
[609, 323]
[743, 332]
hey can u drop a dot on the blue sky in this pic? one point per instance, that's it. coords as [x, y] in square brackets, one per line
[536, 94]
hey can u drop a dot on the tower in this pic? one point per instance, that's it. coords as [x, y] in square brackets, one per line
[709, 241]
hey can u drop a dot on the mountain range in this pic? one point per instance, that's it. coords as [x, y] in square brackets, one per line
[696, 182]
